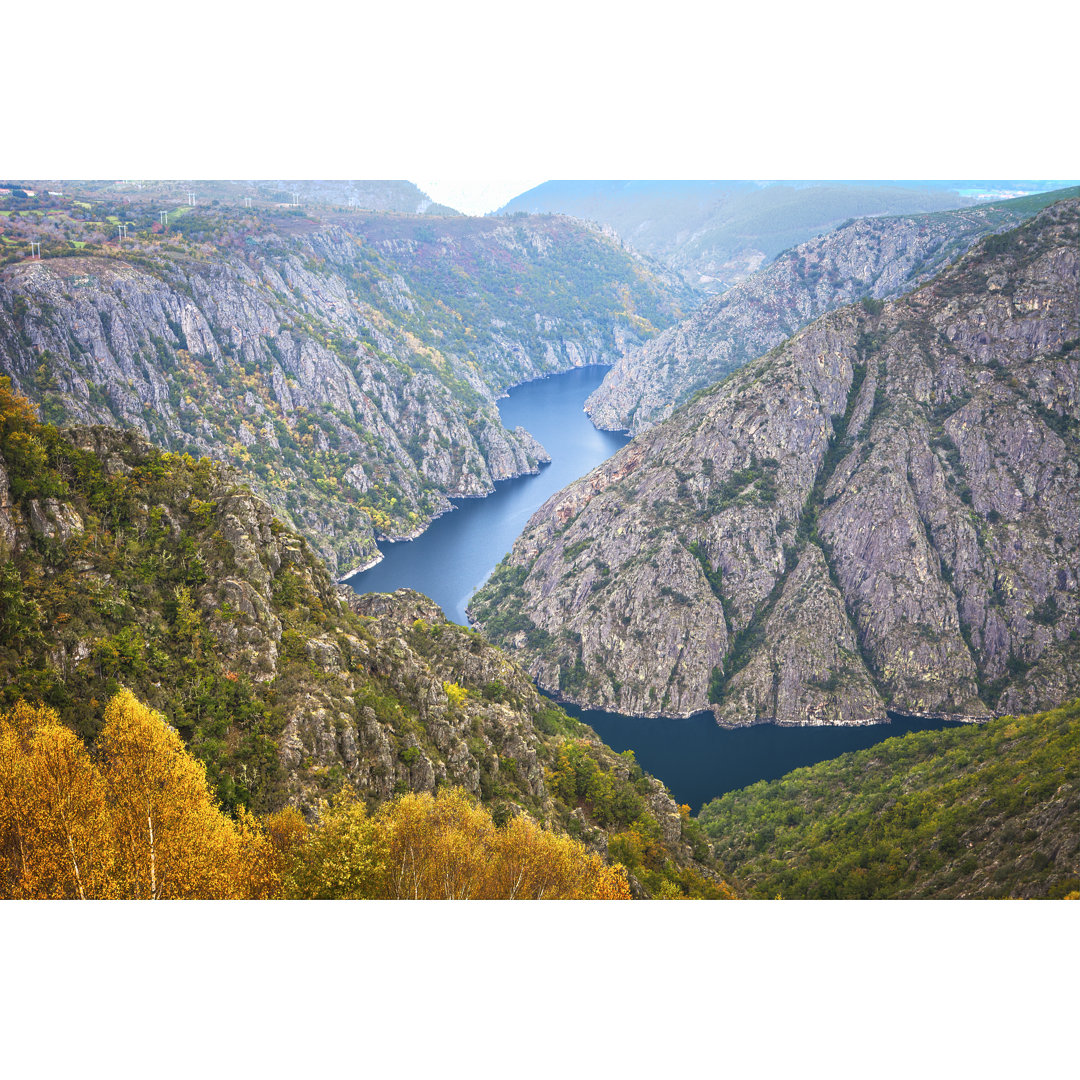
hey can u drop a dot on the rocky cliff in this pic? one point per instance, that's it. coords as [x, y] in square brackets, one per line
[124, 566]
[879, 257]
[347, 364]
[879, 514]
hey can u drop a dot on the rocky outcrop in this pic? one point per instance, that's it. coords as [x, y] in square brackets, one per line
[879, 258]
[879, 514]
[124, 566]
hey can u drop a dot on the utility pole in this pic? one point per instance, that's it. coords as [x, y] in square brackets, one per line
[164, 215]
[122, 229]
[35, 244]
[191, 198]
[247, 201]
[295, 199]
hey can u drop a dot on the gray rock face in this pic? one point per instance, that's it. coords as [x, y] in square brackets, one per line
[54, 520]
[882, 512]
[353, 394]
[877, 257]
[808, 669]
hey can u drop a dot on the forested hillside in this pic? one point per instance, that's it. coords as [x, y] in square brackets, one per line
[976, 812]
[127, 567]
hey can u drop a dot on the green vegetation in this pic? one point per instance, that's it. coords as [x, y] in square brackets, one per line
[115, 597]
[155, 573]
[976, 811]
[615, 798]
[499, 606]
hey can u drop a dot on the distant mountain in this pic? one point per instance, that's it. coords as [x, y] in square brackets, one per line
[717, 232]
[880, 257]
[388, 196]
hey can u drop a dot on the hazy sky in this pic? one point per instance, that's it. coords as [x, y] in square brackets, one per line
[475, 196]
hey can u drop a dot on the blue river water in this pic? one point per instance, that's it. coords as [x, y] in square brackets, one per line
[699, 760]
[696, 759]
[455, 555]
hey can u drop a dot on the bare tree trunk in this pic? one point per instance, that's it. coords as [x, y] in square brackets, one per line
[153, 854]
[75, 864]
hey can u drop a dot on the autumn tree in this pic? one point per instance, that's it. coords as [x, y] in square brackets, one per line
[531, 864]
[173, 839]
[54, 835]
[443, 847]
[136, 821]
[436, 848]
[336, 861]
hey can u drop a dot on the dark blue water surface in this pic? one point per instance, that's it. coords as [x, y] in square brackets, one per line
[696, 759]
[699, 760]
[454, 557]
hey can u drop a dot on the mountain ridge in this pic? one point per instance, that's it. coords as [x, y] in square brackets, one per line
[838, 528]
[876, 257]
[715, 233]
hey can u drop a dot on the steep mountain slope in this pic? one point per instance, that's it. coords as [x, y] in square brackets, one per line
[881, 513]
[877, 257]
[347, 364]
[124, 566]
[976, 812]
[715, 233]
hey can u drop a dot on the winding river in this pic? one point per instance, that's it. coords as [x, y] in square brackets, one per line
[454, 556]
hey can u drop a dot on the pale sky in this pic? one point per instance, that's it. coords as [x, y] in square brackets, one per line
[475, 196]
[491, 90]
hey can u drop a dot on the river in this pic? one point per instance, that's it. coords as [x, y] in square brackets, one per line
[453, 557]
[696, 759]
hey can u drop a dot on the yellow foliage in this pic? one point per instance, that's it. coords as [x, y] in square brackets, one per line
[137, 823]
[16, 410]
[53, 811]
[336, 861]
[456, 694]
[424, 847]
